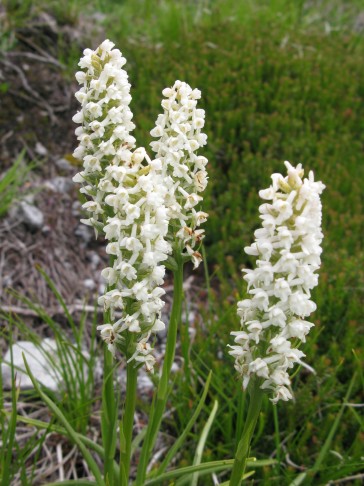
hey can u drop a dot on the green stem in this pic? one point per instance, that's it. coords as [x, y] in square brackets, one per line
[242, 452]
[161, 396]
[126, 425]
[108, 406]
[108, 416]
[277, 435]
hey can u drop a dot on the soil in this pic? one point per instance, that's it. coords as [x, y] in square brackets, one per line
[37, 105]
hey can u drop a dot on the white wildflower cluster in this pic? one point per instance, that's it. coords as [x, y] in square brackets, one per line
[136, 234]
[179, 135]
[127, 203]
[288, 251]
[105, 118]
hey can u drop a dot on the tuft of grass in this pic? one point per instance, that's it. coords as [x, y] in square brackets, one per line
[8, 428]
[10, 182]
[73, 362]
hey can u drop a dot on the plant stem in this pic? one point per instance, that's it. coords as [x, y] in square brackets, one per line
[255, 404]
[277, 436]
[126, 425]
[161, 395]
[108, 417]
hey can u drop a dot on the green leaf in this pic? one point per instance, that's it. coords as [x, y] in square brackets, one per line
[201, 443]
[325, 448]
[246, 476]
[11, 181]
[206, 468]
[9, 435]
[73, 482]
[299, 479]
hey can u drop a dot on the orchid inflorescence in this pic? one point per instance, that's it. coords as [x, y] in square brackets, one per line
[287, 250]
[146, 210]
[179, 137]
[134, 200]
[105, 118]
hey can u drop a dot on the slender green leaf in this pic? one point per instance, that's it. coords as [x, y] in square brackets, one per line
[207, 468]
[61, 301]
[10, 435]
[246, 476]
[326, 447]
[201, 443]
[137, 440]
[73, 482]
[299, 479]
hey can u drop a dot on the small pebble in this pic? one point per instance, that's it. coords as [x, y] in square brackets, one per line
[60, 184]
[64, 165]
[89, 284]
[85, 233]
[31, 216]
[94, 259]
[40, 149]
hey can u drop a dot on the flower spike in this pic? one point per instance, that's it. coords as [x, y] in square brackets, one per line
[179, 135]
[126, 202]
[287, 250]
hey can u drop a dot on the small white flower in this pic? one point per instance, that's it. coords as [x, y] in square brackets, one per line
[109, 333]
[259, 367]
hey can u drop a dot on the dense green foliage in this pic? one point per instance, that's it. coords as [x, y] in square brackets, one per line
[273, 89]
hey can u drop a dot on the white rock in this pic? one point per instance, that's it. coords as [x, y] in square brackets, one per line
[94, 259]
[144, 383]
[175, 367]
[85, 233]
[64, 165]
[40, 360]
[40, 149]
[359, 23]
[76, 208]
[102, 288]
[60, 184]
[31, 215]
[89, 284]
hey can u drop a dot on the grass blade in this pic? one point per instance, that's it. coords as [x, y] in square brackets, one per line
[11, 181]
[9, 436]
[326, 447]
[73, 482]
[246, 476]
[201, 443]
[61, 302]
[206, 468]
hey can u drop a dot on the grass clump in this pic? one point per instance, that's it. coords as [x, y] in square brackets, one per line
[11, 181]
